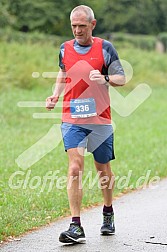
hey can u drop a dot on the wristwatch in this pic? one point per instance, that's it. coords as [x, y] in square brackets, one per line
[107, 79]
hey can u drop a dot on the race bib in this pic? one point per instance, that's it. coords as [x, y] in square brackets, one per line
[81, 108]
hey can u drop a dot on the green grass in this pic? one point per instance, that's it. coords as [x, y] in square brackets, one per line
[140, 139]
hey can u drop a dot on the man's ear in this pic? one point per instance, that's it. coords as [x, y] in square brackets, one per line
[94, 23]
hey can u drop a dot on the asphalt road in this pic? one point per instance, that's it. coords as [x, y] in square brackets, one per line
[141, 225]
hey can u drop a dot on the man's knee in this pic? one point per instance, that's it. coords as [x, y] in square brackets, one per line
[74, 170]
[106, 174]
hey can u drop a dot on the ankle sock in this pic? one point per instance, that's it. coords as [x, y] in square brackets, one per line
[107, 209]
[77, 220]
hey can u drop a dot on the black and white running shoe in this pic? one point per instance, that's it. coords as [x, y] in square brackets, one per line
[75, 234]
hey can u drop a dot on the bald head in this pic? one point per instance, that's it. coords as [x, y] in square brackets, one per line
[83, 9]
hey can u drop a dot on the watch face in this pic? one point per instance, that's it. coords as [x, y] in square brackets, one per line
[107, 78]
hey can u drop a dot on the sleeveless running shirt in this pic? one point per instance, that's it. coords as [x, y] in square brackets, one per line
[85, 101]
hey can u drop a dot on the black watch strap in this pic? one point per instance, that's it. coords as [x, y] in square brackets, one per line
[107, 78]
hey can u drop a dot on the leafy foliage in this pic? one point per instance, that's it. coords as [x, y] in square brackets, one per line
[52, 17]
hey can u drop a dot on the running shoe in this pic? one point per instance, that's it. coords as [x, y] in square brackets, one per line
[108, 227]
[75, 234]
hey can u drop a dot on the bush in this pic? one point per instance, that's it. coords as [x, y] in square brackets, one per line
[9, 35]
[163, 38]
[146, 42]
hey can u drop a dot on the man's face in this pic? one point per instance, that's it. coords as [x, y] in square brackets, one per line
[82, 28]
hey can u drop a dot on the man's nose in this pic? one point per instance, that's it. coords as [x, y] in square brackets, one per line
[78, 29]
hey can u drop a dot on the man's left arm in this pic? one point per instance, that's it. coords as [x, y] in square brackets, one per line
[115, 80]
[112, 71]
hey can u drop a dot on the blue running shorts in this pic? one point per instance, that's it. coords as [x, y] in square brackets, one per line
[98, 139]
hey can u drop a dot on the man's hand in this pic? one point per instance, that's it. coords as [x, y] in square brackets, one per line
[51, 102]
[95, 75]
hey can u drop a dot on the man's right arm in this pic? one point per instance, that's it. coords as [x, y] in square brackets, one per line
[59, 87]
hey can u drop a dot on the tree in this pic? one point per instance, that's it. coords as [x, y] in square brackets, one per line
[135, 16]
[6, 18]
[52, 17]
